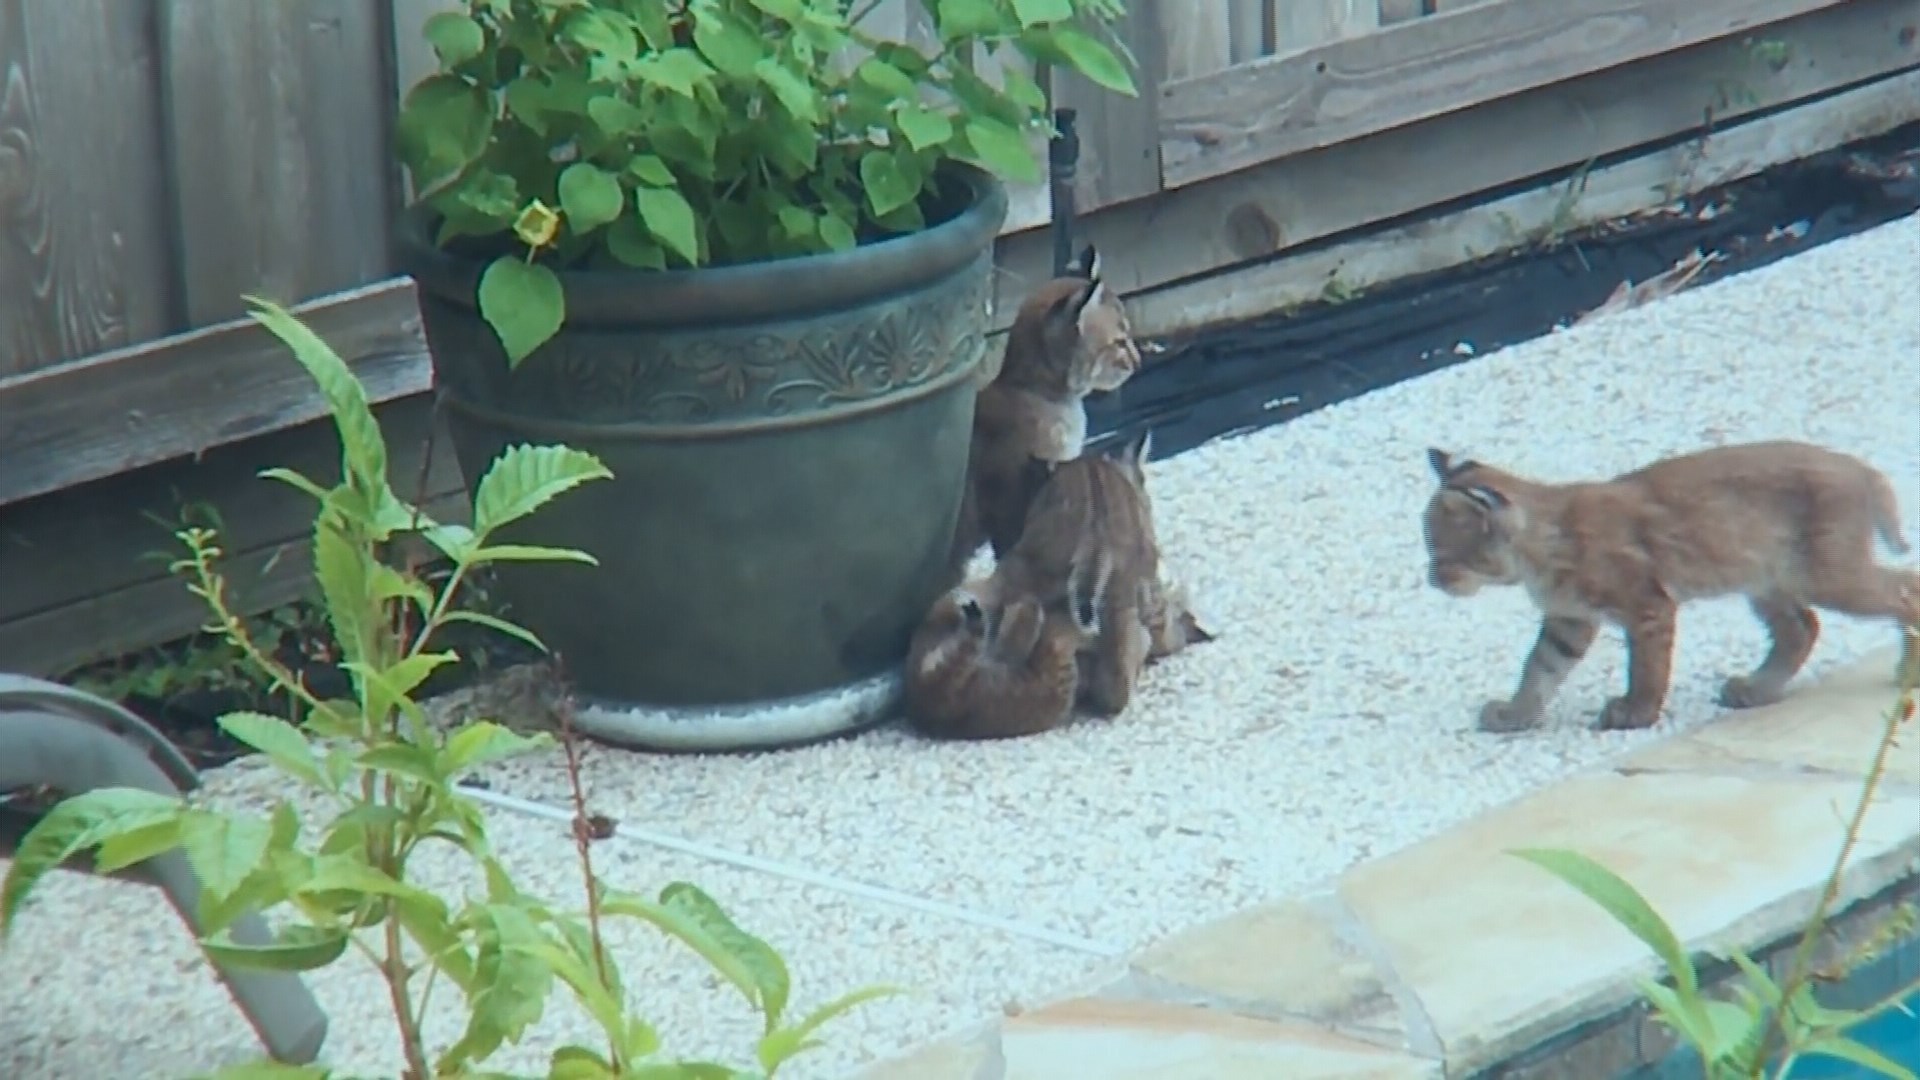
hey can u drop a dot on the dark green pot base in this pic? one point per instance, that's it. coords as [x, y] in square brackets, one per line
[760, 725]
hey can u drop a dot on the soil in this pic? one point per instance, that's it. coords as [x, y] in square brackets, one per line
[1264, 372]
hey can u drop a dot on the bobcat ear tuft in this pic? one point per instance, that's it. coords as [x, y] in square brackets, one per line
[1086, 264]
[1088, 297]
[1441, 461]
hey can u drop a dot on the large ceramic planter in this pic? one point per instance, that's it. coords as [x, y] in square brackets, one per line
[788, 444]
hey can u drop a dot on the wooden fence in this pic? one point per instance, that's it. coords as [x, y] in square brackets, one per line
[159, 158]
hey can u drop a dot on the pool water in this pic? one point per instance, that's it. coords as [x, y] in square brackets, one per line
[1893, 1033]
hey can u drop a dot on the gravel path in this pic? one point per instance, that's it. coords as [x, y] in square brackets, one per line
[1330, 722]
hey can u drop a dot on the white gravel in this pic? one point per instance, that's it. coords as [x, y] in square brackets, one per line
[1331, 721]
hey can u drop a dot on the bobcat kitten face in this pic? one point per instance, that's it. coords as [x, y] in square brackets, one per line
[1469, 527]
[1079, 338]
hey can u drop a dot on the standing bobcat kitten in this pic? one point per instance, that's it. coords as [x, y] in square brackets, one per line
[1069, 339]
[986, 667]
[1789, 525]
[1092, 522]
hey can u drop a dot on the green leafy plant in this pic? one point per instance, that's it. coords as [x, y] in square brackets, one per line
[384, 779]
[1766, 1025]
[612, 133]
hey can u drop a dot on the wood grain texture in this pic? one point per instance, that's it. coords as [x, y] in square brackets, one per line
[1119, 135]
[277, 119]
[1639, 184]
[1263, 211]
[1195, 37]
[80, 583]
[183, 395]
[84, 261]
[1302, 24]
[1267, 109]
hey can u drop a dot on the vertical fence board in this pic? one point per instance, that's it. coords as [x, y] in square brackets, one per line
[1196, 35]
[1246, 30]
[1299, 24]
[1399, 11]
[1119, 135]
[278, 125]
[84, 259]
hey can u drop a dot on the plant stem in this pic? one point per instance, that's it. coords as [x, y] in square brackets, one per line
[395, 972]
[1809, 938]
[582, 843]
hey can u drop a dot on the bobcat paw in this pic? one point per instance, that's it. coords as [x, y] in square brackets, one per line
[1502, 717]
[1622, 715]
[1742, 692]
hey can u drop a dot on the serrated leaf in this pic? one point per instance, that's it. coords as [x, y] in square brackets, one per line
[669, 218]
[589, 195]
[1094, 60]
[1001, 148]
[281, 742]
[767, 983]
[121, 850]
[455, 37]
[296, 947]
[923, 127]
[361, 441]
[1036, 12]
[268, 1070]
[523, 303]
[524, 478]
[578, 1063]
[340, 571]
[888, 187]
[73, 825]
[224, 850]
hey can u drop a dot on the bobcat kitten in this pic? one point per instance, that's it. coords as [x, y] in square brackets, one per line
[1091, 521]
[1789, 525]
[984, 667]
[1070, 338]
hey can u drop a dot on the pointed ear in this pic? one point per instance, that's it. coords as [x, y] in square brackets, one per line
[1088, 263]
[1441, 461]
[1087, 301]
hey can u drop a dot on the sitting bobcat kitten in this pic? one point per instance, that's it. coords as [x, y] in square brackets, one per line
[1789, 525]
[1091, 521]
[980, 668]
[1070, 338]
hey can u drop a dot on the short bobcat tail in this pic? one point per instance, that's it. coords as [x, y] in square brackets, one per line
[1886, 517]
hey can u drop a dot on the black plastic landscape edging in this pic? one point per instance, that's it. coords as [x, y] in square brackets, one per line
[1243, 377]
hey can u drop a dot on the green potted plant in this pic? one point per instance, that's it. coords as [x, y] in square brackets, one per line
[740, 250]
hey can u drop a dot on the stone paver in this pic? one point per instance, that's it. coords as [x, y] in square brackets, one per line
[1833, 726]
[1143, 1040]
[1453, 956]
[1279, 959]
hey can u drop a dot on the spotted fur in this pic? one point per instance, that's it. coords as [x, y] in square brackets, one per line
[1789, 525]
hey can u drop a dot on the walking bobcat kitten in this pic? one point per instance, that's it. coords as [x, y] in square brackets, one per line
[1789, 525]
[1084, 610]
[1070, 338]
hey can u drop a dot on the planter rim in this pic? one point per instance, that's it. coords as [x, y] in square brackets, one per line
[800, 286]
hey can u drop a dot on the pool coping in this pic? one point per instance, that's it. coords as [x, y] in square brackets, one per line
[1452, 959]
